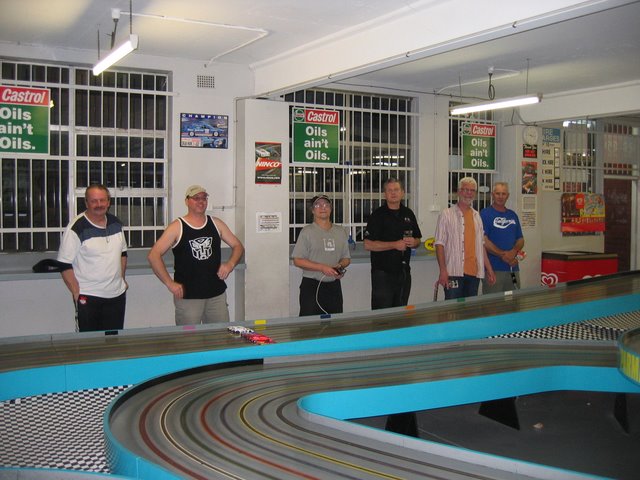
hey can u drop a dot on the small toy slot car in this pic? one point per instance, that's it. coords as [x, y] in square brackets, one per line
[239, 330]
[258, 338]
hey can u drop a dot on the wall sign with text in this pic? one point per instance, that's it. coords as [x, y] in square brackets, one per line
[24, 119]
[550, 158]
[478, 146]
[316, 135]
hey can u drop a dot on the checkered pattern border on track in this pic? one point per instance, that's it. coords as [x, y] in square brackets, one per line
[57, 430]
[603, 328]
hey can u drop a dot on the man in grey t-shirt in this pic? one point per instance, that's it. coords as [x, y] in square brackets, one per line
[322, 252]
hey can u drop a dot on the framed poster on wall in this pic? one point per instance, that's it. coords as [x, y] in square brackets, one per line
[582, 214]
[268, 163]
[204, 130]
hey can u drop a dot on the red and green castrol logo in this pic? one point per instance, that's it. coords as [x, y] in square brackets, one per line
[298, 115]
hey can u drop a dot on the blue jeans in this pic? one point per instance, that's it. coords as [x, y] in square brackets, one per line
[460, 287]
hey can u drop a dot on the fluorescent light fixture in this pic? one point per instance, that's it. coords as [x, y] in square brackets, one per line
[117, 54]
[497, 104]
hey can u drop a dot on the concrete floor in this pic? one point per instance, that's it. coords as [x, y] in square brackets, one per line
[570, 430]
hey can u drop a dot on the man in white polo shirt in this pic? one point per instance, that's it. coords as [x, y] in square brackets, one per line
[93, 261]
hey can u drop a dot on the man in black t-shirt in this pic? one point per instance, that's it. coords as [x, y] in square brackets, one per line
[392, 231]
[198, 286]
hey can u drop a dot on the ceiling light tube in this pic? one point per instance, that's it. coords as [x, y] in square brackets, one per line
[497, 104]
[117, 54]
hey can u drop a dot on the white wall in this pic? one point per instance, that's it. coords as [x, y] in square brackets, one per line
[545, 235]
[43, 305]
[433, 161]
[212, 168]
[266, 281]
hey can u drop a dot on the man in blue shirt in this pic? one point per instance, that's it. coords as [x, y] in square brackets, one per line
[503, 240]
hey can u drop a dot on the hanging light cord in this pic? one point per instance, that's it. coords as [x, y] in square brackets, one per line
[491, 92]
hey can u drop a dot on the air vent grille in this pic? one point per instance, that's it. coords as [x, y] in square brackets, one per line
[206, 81]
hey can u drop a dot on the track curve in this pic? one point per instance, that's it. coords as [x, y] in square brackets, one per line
[242, 421]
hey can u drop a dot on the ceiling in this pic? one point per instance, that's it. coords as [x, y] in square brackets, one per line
[602, 48]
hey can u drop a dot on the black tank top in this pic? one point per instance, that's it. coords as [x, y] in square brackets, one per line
[196, 261]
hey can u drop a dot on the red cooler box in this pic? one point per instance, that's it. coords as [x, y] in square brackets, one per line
[566, 266]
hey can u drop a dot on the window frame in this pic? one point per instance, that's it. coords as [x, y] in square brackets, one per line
[47, 205]
[362, 139]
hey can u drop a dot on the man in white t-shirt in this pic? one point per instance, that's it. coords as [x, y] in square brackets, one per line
[93, 261]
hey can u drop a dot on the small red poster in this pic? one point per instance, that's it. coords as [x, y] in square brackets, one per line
[529, 177]
[268, 163]
[582, 213]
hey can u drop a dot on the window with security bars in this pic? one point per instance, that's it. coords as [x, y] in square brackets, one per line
[375, 144]
[621, 148]
[578, 169]
[457, 171]
[595, 149]
[110, 129]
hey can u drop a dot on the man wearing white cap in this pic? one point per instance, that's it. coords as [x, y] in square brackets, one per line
[198, 286]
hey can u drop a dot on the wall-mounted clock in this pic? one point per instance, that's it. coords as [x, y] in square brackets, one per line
[530, 135]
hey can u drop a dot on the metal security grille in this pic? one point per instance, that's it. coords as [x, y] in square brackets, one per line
[621, 149]
[111, 129]
[598, 149]
[578, 172]
[376, 142]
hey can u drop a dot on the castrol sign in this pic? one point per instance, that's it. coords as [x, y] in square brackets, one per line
[316, 135]
[478, 146]
[24, 120]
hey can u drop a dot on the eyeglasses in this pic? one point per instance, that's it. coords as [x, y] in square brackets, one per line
[200, 198]
[321, 205]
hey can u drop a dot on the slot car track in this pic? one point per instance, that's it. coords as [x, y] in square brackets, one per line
[243, 415]
[243, 421]
[128, 344]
